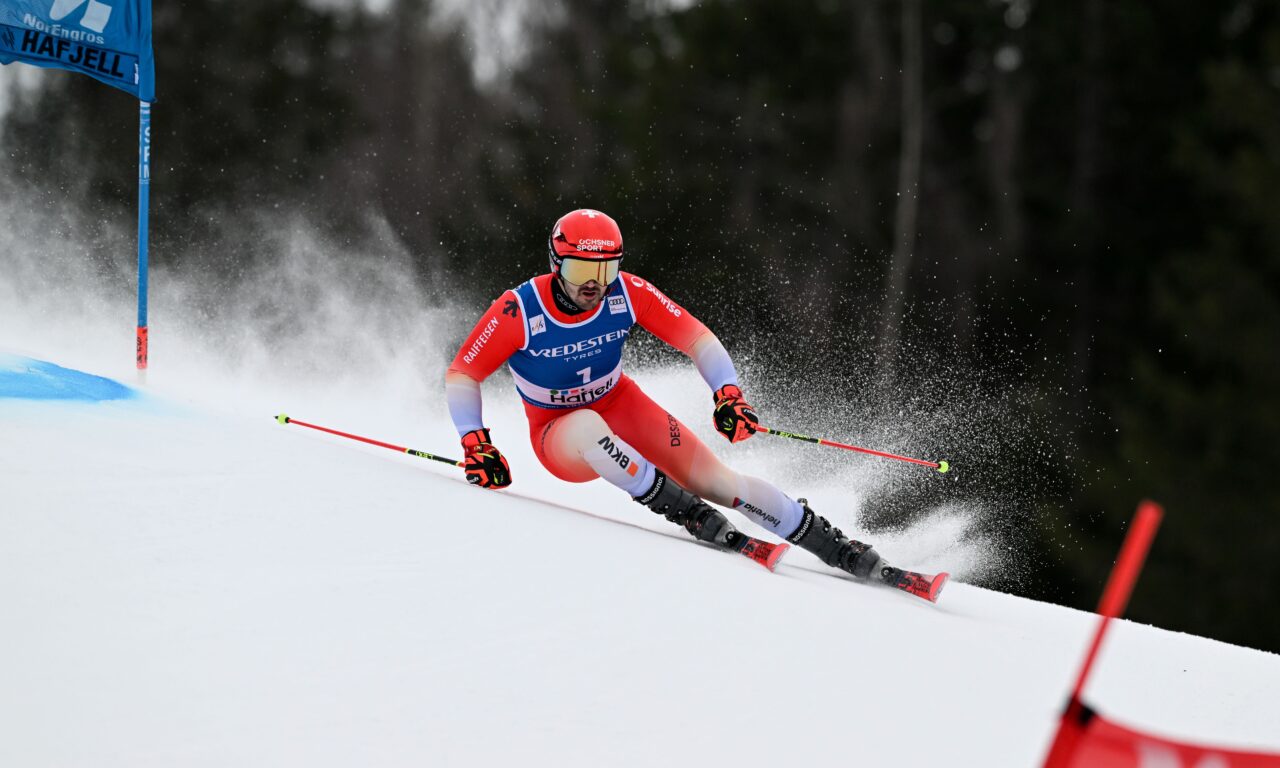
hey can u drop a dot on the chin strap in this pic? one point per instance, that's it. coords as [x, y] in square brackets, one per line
[561, 297]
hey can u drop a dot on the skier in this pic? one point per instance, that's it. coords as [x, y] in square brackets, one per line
[562, 335]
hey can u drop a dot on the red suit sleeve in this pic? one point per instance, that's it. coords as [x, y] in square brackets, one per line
[496, 337]
[661, 316]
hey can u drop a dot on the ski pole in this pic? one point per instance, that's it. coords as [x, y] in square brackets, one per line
[283, 419]
[941, 466]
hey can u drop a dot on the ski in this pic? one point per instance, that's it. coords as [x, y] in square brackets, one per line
[922, 585]
[760, 551]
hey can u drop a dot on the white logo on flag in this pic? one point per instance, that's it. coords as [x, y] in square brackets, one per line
[537, 325]
[617, 305]
[95, 17]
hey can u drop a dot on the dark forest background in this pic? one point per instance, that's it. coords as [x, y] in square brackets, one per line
[1084, 195]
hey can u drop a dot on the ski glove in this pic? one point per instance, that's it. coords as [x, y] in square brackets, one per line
[485, 465]
[734, 418]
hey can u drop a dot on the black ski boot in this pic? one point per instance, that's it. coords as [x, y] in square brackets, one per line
[832, 547]
[683, 508]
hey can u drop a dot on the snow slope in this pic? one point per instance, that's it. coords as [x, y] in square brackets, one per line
[185, 582]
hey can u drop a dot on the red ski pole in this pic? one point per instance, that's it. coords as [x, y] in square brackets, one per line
[941, 466]
[283, 419]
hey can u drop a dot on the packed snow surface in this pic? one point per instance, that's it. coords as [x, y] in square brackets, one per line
[184, 581]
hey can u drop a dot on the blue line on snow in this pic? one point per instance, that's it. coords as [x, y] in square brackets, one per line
[28, 379]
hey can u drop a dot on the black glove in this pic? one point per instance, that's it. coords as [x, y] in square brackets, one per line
[485, 465]
[734, 418]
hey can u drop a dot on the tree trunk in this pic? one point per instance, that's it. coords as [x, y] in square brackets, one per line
[912, 131]
[1083, 195]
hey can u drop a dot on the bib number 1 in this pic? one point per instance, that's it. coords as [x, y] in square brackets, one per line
[585, 373]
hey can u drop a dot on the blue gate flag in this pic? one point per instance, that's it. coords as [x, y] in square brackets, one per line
[106, 39]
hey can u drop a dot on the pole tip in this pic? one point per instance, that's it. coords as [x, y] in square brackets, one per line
[943, 467]
[282, 419]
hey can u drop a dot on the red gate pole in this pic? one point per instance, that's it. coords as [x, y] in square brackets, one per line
[1133, 553]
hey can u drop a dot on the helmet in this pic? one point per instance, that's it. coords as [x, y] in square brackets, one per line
[585, 245]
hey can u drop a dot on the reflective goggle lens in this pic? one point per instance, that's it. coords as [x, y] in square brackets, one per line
[582, 271]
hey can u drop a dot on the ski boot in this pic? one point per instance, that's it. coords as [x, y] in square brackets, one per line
[683, 508]
[832, 547]
[679, 506]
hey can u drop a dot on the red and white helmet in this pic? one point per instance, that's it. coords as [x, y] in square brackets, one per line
[585, 245]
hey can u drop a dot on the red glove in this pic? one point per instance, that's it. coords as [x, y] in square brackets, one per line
[734, 418]
[485, 465]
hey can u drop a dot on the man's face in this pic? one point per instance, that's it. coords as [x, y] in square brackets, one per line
[587, 296]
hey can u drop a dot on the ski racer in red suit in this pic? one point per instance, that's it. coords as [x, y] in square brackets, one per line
[562, 335]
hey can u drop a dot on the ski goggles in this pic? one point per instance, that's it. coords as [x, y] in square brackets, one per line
[583, 271]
